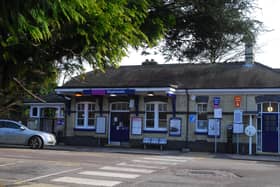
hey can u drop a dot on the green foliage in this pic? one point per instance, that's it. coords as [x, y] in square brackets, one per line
[202, 29]
[41, 39]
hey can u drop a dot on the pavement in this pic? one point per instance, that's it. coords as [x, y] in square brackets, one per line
[127, 150]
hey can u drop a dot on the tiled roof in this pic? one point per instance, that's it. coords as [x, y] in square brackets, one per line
[202, 76]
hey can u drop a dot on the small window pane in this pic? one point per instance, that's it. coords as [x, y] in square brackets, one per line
[270, 107]
[91, 122]
[34, 111]
[259, 124]
[202, 125]
[149, 123]
[162, 123]
[150, 115]
[80, 122]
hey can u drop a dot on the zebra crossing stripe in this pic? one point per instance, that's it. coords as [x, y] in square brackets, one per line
[163, 159]
[92, 182]
[140, 166]
[177, 157]
[110, 174]
[154, 162]
[135, 170]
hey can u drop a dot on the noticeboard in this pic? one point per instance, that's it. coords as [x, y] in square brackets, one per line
[238, 128]
[175, 126]
[136, 126]
[214, 126]
[100, 125]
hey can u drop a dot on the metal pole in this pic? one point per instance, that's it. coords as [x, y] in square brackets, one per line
[237, 143]
[215, 143]
[250, 137]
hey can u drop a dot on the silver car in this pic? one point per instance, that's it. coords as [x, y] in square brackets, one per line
[14, 133]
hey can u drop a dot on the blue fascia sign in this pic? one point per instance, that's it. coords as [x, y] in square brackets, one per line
[109, 91]
[121, 91]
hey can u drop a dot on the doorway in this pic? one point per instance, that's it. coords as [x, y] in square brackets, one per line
[119, 123]
[270, 133]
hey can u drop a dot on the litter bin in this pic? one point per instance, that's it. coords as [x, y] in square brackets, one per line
[229, 139]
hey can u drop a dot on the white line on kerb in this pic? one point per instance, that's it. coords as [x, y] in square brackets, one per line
[45, 176]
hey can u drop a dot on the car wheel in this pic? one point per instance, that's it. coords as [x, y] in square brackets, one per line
[35, 142]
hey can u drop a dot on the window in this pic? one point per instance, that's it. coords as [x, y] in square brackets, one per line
[120, 106]
[85, 116]
[34, 112]
[202, 120]
[156, 116]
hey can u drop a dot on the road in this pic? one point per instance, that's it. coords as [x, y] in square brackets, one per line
[53, 168]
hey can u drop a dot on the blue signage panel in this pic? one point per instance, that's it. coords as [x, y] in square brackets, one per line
[216, 101]
[121, 91]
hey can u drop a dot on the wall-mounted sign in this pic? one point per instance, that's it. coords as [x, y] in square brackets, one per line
[175, 127]
[216, 102]
[98, 92]
[100, 125]
[238, 128]
[121, 91]
[214, 127]
[136, 126]
[237, 116]
[109, 91]
[218, 113]
[192, 118]
[250, 130]
[237, 101]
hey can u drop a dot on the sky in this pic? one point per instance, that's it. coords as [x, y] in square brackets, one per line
[267, 46]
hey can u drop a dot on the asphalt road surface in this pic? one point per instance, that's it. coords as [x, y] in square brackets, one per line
[53, 168]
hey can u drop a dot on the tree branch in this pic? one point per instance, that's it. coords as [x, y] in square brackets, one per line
[28, 91]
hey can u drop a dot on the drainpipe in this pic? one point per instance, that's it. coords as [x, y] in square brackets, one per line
[187, 120]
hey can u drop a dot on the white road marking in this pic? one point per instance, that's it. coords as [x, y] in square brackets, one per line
[154, 162]
[163, 159]
[45, 176]
[92, 182]
[141, 166]
[8, 164]
[135, 170]
[178, 157]
[110, 174]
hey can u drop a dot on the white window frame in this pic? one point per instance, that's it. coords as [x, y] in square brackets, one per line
[85, 126]
[199, 130]
[32, 114]
[156, 117]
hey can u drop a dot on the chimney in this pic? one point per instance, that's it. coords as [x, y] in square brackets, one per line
[249, 54]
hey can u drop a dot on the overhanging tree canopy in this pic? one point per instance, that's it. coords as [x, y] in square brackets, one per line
[38, 36]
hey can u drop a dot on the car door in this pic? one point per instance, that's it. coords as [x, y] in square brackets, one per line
[15, 135]
[2, 132]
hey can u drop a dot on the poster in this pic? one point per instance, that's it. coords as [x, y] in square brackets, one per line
[175, 127]
[100, 125]
[218, 113]
[213, 127]
[238, 128]
[136, 126]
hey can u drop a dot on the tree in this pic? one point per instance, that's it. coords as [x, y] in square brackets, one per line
[36, 37]
[204, 30]
[40, 39]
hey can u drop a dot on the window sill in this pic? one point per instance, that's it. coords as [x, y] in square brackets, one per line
[154, 131]
[84, 129]
[201, 133]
